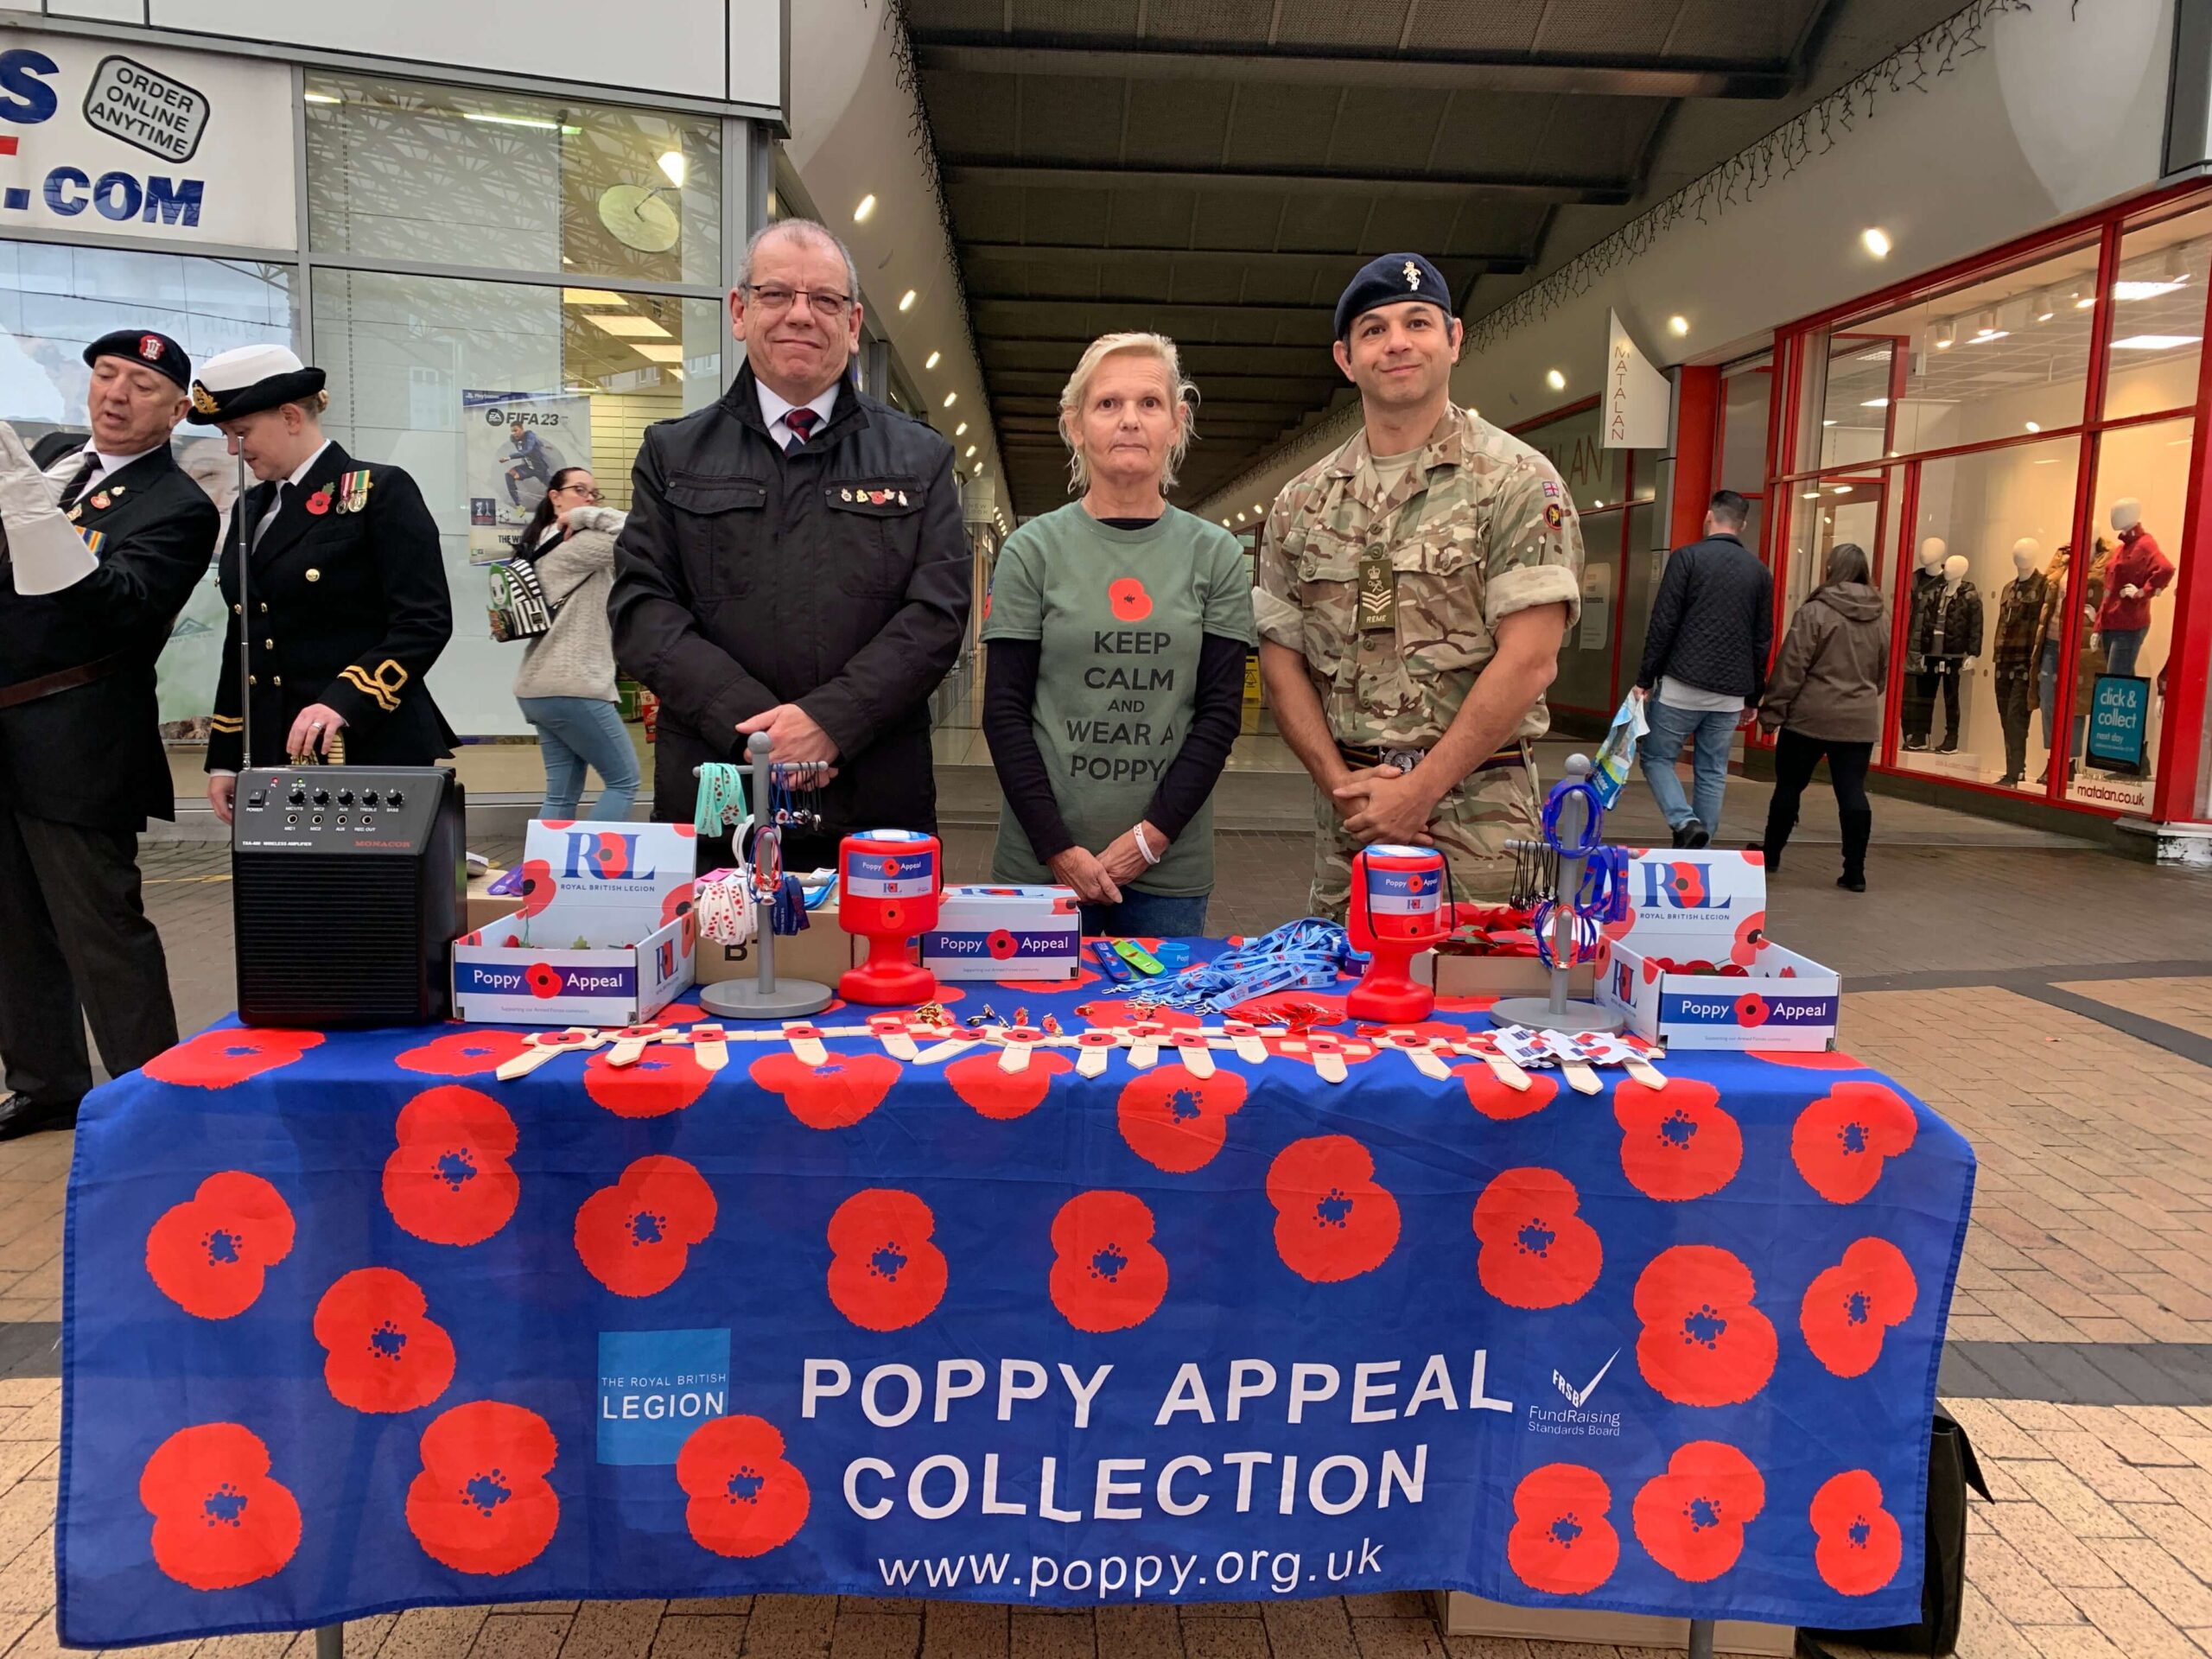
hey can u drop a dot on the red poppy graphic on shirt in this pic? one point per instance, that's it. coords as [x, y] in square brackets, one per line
[635, 1236]
[679, 903]
[208, 1254]
[1859, 1547]
[471, 1053]
[1536, 1250]
[220, 1519]
[1677, 1143]
[745, 1499]
[1849, 1307]
[1703, 1343]
[1691, 1519]
[835, 1094]
[539, 887]
[1501, 1103]
[1128, 599]
[449, 1181]
[995, 1092]
[481, 1504]
[667, 1078]
[218, 1059]
[1334, 1221]
[1561, 1543]
[1840, 1141]
[1808, 1060]
[884, 1272]
[1107, 1275]
[384, 1352]
[1751, 939]
[1175, 1120]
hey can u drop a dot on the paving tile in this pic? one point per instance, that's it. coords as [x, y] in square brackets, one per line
[2076, 1642]
[1309, 1629]
[1224, 1638]
[1397, 1638]
[2186, 1535]
[267, 1645]
[2133, 1625]
[1485, 1647]
[2049, 1547]
[432, 1633]
[2070, 1501]
[27, 1579]
[2101, 1469]
[520, 1636]
[2015, 1588]
[964, 1629]
[609, 1630]
[365, 1638]
[1138, 1633]
[2169, 1585]
[1221, 1609]
[718, 1606]
[1050, 1636]
[1391, 1604]
[876, 1636]
[790, 1627]
[689, 1635]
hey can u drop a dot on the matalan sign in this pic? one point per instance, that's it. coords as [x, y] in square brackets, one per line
[1636, 393]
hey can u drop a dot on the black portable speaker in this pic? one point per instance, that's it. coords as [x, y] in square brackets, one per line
[347, 887]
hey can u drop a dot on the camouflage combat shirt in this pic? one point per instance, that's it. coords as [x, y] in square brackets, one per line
[1478, 528]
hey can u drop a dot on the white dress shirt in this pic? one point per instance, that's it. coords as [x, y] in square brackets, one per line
[773, 410]
[69, 468]
[277, 500]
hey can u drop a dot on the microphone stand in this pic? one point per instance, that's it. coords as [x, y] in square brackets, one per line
[245, 637]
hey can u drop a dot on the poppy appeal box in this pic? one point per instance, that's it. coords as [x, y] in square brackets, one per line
[603, 936]
[1003, 933]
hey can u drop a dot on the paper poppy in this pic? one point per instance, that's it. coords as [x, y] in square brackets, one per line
[1818, 1059]
[1127, 600]
[636, 1236]
[1536, 1250]
[220, 1519]
[539, 887]
[208, 1254]
[1840, 1141]
[667, 1078]
[745, 1499]
[1703, 1343]
[1849, 1307]
[1691, 1519]
[449, 1181]
[1677, 1143]
[1751, 939]
[1859, 1547]
[678, 903]
[219, 1058]
[470, 1053]
[993, 1092]
[1107, 1275]
[833, 1095]
[1175, 1120]
[1561, 1543]
[884, 1272]
[1333, 1220]
[384, 1352]
[481, 1504]
[1751, 1010]
[543, 980]
[1496, 1101]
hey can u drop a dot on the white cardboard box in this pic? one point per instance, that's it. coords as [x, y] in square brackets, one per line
[1693, 905]
[1005, 933]
[1782, 1000]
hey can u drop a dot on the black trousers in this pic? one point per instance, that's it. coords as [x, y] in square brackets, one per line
[2016, 699]
[1919, 704]
[1950, 679]
[1795, 757]
[75, 945]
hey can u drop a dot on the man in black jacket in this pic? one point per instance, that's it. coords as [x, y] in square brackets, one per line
[1704, 654]
[101, 557]
[795, 562]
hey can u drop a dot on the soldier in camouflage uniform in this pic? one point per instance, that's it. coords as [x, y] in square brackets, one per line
[1411, 608]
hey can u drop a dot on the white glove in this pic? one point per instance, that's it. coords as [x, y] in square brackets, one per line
[2130, 591]
[46, 553]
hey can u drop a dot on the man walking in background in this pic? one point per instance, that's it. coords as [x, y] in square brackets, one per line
[1705, 657]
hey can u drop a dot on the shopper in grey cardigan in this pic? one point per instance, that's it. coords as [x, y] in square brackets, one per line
[566, 685]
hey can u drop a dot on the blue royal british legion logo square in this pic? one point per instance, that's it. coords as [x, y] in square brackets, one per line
[655, 1388]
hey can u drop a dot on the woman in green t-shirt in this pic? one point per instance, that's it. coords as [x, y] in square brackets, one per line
[1118, 628]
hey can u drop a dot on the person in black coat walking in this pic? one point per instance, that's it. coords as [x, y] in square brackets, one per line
[103, 550]
[795, 562]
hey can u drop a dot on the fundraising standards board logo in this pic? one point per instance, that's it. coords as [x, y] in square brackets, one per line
[1576, 1418]
[655, 1388]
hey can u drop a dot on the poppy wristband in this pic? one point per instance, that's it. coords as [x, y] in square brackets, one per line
[1593, 823]
[1144, 847]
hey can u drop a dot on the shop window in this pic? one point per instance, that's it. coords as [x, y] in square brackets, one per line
[1860, 507]
[1747, 394]
[1584, 681]
[2158, 322]
[1596, 477]
[1646, 562]
[450, 176]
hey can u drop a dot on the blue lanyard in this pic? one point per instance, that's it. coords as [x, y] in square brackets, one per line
[1304, 955]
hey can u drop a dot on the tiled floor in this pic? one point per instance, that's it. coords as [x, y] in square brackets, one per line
[2054, 1003]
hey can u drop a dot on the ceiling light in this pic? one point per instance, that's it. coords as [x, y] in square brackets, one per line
[627, 325]
[2083, 302]
[860, 213]
[1240, 517]
[1555, 380]
[1876, 241]
[1598, 501]
[1994, 334]
[1946, 334]
[591, 297]
[972, 452]
[1843, 489]
[1875, 403]
[951, 399]
[1258, 511]
[1827, 422]
[672, 164]
[538, 122]
[979, 469]
[653, 352]
[935, 358]
[2154, 342]
[1986, 324]
[1812, 495]
[2046, 306]
[2142, 290]
[906, 300]
[1678, 326]
[1224, 523]
[2035, 426]
[961, 430]
[322, 98]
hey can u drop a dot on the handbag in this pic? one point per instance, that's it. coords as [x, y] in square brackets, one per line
[519, 608]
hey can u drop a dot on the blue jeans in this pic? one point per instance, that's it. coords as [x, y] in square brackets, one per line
[1148, 915]
[2121, 647]
[576, 732]
[1670, 729]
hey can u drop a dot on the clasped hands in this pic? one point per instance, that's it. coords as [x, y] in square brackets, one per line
[792, 736]
[1382, 803]
[1097, 877]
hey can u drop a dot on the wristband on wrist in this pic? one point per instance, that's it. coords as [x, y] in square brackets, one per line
[1144, 847]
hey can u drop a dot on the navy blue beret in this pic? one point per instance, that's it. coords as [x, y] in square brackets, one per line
[1385, 280]
[155, 351]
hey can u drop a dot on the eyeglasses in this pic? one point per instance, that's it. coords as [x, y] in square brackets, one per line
[589, 492]
[824, 304]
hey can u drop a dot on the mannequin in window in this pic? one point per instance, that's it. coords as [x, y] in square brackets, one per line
[1918, 709]
[1955, 641]
[2089, 656]
[2139, 571]
[2013, 655]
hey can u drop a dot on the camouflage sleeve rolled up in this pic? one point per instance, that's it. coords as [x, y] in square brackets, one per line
[1535, 553]
[1274, 590]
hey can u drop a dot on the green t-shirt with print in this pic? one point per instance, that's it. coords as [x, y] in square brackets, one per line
[1119, 615]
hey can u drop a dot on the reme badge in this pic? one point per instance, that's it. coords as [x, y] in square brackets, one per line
[1378, 592]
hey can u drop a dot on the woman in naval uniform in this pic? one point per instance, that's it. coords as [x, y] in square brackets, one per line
[345, 606]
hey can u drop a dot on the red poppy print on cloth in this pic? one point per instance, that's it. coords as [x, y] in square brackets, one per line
[219, 1059]
[1175, 1120]
[1129, 600]
[208, 1255]
[995, 1092]
[1334, 1221]
[884, 1272]
[220, 1519]
[1500, 1102]
[1561, 1543]
[1691, 1519]
[636, 1236]
[1703, 1343]
[833, 1095]
[745, 1499]
[481, 1504]
[383, 1351]
[1840, 1141]
[1849, 1307]
[473, 1053]
[1859, 1547]
[449, 1182]
[1536, 1250]
[1107, 1275]
[1107, 1013]
[666, 1079]
[1677, 1143]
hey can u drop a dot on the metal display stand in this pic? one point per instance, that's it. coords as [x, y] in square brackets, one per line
[1558, 1011]
[763, 998]
[1701, 1638]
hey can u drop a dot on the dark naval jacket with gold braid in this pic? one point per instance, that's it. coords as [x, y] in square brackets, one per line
[346, 605]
